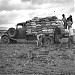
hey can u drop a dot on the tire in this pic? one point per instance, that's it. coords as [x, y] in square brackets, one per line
[5, 40]
[12, 32]
[48, 41]
[74, 39]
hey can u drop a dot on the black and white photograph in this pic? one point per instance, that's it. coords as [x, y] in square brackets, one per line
[37, 37]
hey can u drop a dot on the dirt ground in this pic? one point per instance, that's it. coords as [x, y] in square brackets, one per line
[28, 59]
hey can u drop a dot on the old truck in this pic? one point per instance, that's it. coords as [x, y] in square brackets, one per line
[30, 29]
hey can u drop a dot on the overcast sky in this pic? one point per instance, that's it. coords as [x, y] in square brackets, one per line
[15, 11]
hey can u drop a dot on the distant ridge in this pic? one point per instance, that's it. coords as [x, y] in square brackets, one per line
[3, 28]
[1, 31]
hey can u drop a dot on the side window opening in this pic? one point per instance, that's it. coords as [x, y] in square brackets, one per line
[19, 26]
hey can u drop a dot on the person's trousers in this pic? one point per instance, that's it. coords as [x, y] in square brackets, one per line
[70, 41]
[57, 38]
[65, 25]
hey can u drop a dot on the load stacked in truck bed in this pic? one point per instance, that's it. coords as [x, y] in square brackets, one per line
[43, 25]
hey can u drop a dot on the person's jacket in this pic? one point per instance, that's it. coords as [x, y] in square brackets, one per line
[57, 31]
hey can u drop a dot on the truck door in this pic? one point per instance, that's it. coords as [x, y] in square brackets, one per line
[21, 32]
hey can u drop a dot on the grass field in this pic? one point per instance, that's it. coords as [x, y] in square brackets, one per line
[28, 59]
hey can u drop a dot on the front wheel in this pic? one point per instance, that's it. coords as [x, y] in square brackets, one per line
[48, 41]
[5, 40]
[12, 32]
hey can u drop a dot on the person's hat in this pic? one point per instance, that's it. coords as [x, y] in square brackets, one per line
[63, 14]
[70, 15]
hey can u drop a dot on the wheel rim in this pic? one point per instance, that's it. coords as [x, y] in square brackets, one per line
[74, 38]
[5, 40]
[48, 42]
[11, 32]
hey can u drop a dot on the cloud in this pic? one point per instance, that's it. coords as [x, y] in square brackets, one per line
[51, 1]
[14, 16]
[46, 9]
[11, 18]
[25, 0]
[73, 16]
[9, 5]
[15, 11]
[3, 4]
[7, 17]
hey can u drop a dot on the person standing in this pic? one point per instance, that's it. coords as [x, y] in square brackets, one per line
[71, 36]
[39, 39]
[57, 35]
[64, 20]
[69, 21]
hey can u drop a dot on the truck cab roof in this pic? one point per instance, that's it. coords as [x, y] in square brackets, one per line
[22, 23]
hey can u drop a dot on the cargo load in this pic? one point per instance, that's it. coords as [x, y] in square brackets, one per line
[43, 25]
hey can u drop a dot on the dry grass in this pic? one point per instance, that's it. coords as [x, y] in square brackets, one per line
[27, 59]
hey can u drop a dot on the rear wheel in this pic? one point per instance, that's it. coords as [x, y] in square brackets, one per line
[48, 41]
[74, 39]
[5, 40]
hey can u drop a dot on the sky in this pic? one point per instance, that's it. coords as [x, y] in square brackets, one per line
[16, 11]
